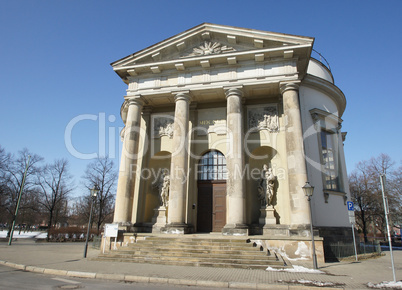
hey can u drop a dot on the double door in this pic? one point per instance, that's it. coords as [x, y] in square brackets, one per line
[211, 211]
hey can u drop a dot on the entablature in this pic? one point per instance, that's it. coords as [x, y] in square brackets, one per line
[257, 79]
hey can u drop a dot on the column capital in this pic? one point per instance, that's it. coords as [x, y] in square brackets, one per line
[182, 96]
[234, 90]
[147, 110]
[134, 100]
[289, 85]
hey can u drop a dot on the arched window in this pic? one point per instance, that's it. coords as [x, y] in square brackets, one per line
[212, 166]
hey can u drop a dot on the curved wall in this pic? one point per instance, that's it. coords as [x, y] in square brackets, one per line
[317, 69]
[334, 212]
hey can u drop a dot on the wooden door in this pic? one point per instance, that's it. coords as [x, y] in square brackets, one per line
[204, 209]
[211, 211]
[218, 206]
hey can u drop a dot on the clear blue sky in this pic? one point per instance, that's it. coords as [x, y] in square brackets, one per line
[55, 64]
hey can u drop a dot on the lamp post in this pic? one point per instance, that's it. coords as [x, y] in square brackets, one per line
[308, 191]
[94, 194]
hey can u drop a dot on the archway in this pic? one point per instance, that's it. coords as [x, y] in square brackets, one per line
[211, 209]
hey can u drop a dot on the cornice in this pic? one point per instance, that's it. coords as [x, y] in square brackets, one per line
[258, 55]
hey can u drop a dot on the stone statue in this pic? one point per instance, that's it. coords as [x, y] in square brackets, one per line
[163, 186]
[266, 188]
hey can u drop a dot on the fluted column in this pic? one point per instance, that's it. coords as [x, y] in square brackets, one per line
[297, 173]
[179, 165]
[235, 195]
[127, 176]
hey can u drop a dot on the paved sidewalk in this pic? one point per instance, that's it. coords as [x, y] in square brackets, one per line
[67, 259]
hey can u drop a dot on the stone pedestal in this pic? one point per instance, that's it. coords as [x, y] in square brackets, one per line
[267, 216]
[177, 229]
[159, 219]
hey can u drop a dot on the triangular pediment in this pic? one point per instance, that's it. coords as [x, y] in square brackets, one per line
[210, 41]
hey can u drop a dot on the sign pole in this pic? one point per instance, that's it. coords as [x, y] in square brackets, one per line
[352, 220]
[382, 179]
[354, 241]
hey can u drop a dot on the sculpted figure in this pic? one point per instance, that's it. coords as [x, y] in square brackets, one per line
[266, 188]
[163, 188]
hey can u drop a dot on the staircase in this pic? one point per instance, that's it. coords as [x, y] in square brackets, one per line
[207, 252]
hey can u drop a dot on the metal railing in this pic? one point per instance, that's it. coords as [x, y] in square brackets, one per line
[96, 242]
[321, 58]
[343, 249]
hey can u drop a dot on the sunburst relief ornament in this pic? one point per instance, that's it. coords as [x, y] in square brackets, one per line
[210, 48]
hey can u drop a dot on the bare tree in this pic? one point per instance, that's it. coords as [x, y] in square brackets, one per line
[102, 173]
[366, 193]
[55, 185]
[12, 178]
[361, 194]
[5, 158]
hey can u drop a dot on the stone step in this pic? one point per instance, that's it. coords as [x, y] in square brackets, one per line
[188, 244]
[200, 259]
[206, 263]
[229, 253]
[189, 239]
[194, 254]
[204, 251]
[167, 247]
[193, 242]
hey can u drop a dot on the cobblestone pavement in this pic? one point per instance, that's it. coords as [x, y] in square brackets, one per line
[67, 259]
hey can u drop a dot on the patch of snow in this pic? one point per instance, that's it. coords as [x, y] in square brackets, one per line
[385, 284]
[281, 251]
[302, 250]
[258, 242]
[296, 269]
[315, 283]
[312, 283]
[26, 235]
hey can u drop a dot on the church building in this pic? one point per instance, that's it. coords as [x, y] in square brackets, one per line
[223, 128]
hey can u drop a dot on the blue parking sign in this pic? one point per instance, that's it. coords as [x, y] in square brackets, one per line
[351, 206]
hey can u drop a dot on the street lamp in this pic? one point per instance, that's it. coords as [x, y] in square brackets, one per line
[94, 194]
[308, 191]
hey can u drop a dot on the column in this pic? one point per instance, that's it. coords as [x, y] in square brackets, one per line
[235, 193]
[297, 173]
[127, 172]
[144, 152]
[179, 166]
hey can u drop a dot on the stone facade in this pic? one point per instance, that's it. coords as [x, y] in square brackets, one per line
[212, 106]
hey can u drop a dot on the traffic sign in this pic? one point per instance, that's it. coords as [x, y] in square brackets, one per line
[351, 206]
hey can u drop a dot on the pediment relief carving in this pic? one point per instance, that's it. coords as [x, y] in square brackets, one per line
[208, 48]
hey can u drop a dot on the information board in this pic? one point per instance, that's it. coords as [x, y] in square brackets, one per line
[111, 230]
